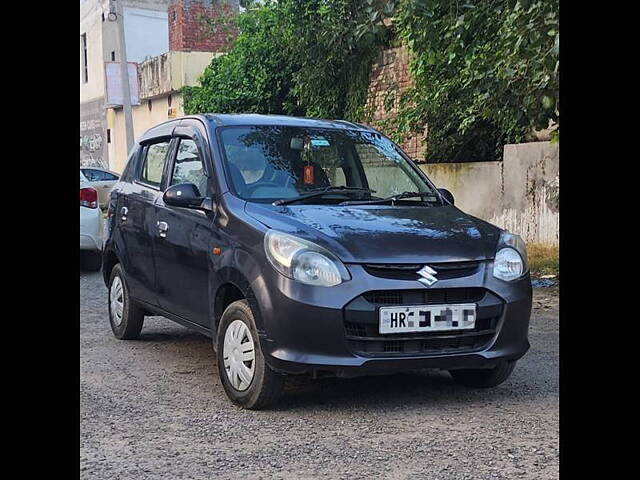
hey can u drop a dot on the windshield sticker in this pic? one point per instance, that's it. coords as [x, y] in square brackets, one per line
[319, 142]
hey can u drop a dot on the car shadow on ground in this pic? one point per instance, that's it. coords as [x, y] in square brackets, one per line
[85, 271]
[382, 392]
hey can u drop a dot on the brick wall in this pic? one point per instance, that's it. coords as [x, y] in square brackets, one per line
[389, 78]
[188, 32]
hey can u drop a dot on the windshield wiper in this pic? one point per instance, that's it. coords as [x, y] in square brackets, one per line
[392, 198]
[318, 192]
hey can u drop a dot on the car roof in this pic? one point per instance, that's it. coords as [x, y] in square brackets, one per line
[249, 119]
[227, 119]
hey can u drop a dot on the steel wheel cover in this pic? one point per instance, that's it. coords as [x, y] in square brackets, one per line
[116, 300]
[239, 355]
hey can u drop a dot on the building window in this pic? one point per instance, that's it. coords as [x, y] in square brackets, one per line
[85, 66]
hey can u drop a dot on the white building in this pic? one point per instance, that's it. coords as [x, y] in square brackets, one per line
[170, 47]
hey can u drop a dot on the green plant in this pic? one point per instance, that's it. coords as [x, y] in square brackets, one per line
[485, 73]
[255, 74]
[334, 43]
[300, 58]
[543, 259]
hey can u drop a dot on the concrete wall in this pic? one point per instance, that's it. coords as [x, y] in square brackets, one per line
[146, 30]
[93, 127]
[521, 193]
[146, 33]
[91, 26]
[171, 71]
[143, 119]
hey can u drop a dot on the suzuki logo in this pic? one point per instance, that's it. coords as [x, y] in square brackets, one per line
[428, 275]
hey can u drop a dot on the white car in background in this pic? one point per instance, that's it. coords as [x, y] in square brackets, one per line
[91, 226]
[102, 180]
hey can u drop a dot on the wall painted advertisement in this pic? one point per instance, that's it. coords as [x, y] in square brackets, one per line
[93, 132]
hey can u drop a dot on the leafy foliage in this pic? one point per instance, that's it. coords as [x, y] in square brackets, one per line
[485, 73]
[299, 58]
[254, 76]
[334, 43]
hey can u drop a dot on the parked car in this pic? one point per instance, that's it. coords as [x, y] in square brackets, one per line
[102, 180]
[306, 246]
[90, 226]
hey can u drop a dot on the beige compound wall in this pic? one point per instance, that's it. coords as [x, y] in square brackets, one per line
[143, 119]
[521, 193]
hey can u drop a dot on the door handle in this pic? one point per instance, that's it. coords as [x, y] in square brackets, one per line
[124, 211]
[162, 228]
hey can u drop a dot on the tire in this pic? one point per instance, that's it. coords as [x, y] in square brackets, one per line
[249, 383]
[92, 261]
[132, 316]
[484, 377]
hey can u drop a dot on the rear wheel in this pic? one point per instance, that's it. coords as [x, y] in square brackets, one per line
[126, 319]
[247, 379]
[484, 377]
[91, 260]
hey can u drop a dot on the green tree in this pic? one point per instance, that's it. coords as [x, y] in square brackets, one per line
[254, 76]
[299, 58]
[485, 73]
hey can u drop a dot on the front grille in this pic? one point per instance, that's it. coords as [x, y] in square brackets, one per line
[424, 296]
[406, 271]
[458, 343]
[362, 322]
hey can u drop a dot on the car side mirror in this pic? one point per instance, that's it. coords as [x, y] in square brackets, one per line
[448, 196]
[186, 195]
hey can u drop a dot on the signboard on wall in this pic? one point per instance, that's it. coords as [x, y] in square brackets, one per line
[114, 83]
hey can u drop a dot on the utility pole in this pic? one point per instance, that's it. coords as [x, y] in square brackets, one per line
[124, 75]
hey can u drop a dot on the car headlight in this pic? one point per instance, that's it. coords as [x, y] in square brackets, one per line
[304, 261]
[511, 258]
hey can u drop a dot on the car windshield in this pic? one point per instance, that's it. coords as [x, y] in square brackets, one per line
[270, 163]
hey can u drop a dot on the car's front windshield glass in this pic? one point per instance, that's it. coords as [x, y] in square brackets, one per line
[269, 163]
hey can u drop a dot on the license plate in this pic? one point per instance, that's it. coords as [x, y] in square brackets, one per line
[427, 318]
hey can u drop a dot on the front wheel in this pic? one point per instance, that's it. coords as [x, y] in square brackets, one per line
[247, 379]
[484, 377]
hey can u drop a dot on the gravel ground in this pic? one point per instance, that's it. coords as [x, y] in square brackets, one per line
[155, 408]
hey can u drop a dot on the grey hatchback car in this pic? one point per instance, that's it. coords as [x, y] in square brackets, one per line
[305, 246]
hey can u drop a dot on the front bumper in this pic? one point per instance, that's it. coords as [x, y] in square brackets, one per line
[308, 329]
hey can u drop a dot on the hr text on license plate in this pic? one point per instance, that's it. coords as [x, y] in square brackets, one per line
[427, 318]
